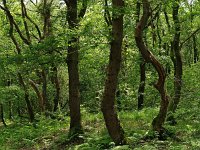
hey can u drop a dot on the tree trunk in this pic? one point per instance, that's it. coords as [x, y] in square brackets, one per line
[26, 97]
[44, 90]
[108, 103]
[72, 62]
[9, 102]
[141, 86]
[2, 115]
[196, 56]
[39, 95]
[57, 86]
[149, 57]
[142, 67]
[177, 62]
[195, 50]
[10, 109]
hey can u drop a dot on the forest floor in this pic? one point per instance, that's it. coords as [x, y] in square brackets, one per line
[48, 134]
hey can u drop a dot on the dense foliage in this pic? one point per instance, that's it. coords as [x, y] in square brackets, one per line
[92, 74]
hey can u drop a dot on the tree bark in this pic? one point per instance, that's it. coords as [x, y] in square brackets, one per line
[72, 62]
[142, 67]
[149, 57]
[177, 61]
[108, 103]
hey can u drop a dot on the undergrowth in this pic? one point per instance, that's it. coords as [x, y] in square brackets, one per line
[52, 134]
[49, 134]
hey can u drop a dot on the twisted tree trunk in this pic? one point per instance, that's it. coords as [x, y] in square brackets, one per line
[150, 58]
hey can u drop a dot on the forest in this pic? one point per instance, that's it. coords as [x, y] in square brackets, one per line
[99, 74]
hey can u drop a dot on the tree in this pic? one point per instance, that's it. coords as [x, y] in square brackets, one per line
[142, 68]
[108, 103]
[177, 61]
[158, 122]
[13, 25]
[2, 115]
[73, 19]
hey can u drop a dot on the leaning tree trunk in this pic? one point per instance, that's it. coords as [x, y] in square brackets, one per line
[72, 62]
[108, 103]
[158, 122]
[177, 63]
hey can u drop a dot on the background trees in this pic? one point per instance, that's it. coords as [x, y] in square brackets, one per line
[103, 43]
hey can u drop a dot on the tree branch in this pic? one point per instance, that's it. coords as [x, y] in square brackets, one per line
[195, 32]
[83, 9]
[23, 10]
[12, 21]
[107, 15]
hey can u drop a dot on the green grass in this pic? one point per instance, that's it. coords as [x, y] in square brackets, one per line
[52, 134]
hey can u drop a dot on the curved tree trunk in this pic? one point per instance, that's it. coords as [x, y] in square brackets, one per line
[108, 103]
[149, 57]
